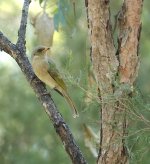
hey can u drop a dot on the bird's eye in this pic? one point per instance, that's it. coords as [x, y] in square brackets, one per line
[40, 49]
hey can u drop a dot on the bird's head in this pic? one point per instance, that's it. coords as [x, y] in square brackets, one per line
[40, 51]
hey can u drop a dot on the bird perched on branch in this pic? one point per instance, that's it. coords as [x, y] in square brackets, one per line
[45, 69]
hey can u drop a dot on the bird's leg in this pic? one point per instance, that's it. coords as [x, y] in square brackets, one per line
[36, 80]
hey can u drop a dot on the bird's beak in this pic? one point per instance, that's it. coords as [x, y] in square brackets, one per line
[46, 49]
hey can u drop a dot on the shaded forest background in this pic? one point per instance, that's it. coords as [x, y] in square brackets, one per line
[26, 135]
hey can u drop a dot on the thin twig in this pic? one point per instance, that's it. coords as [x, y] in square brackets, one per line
[22, 29]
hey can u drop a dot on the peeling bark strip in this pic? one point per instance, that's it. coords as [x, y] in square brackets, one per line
[130, 28]
[18, 52]
[103, 50]
[106, 66]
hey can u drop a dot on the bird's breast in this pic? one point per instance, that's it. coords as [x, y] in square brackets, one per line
[40, 66]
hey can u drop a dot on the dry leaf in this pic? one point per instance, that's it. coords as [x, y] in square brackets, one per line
[91, 140]
[44, 28]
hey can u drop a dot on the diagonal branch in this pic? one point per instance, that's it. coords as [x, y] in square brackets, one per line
[18, 52]
[6, 45]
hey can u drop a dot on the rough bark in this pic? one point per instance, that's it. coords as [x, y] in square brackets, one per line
[107, 65]
[128, 40]
[18, 52]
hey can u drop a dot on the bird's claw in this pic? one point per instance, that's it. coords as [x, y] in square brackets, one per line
[35, 80]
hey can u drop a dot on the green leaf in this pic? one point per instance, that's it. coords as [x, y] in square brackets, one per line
[59, 18]
[40, 1]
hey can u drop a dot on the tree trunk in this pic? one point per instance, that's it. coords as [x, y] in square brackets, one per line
[115, 70]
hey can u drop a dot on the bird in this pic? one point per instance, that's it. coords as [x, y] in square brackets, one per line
[45, 69]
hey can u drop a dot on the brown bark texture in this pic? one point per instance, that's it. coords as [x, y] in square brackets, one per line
[114, 66]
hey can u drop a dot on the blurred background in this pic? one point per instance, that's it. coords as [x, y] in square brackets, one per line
[26, 133]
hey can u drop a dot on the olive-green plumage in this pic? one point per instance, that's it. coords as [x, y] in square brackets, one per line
[46, 71]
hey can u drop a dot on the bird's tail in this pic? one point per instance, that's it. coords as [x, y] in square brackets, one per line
[72, 105]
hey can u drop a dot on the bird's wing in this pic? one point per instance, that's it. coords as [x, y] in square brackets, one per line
[54, 73]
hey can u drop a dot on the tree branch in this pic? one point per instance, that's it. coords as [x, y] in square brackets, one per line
[18, 52]
[22, 29]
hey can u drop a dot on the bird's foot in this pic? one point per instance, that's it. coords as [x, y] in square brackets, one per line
[35, 80]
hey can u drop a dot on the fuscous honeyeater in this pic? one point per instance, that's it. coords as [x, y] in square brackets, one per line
[45, 69]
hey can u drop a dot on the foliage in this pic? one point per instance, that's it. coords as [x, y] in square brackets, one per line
[26, 135]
